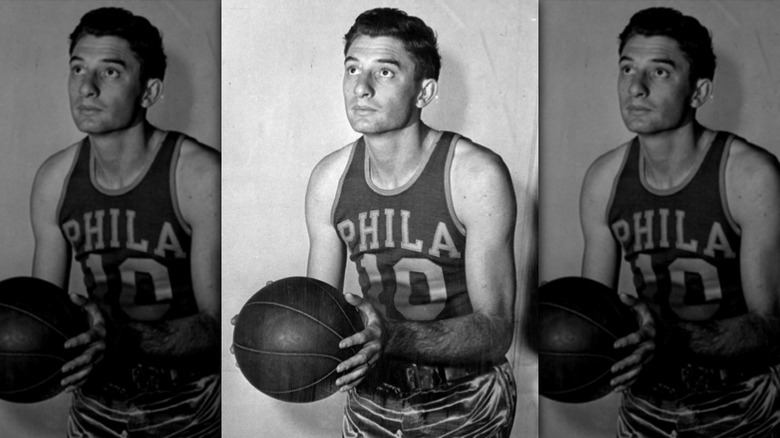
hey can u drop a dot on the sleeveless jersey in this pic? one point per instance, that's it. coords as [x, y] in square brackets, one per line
[132, 243]
[407, 245]
[682, 243]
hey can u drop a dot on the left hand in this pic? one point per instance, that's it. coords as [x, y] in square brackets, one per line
[372, 338]
[627, 370]
[77, 370]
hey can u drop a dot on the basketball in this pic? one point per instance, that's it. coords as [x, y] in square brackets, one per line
[579, 321]
[286, 338]
[36, 318]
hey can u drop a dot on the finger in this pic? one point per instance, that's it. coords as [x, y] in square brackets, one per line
[79, 340]
[629, 340]
[77, 299]
[628, 300]
[354, 361]
[75, 380]
[353, 299]
[234, 319]
[268, 282]
[91, 355]
[625, 380]
[349, 381]
[232, 350]
[358, 338]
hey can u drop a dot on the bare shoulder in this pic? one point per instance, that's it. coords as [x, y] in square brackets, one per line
[197, 160]
[749, 161]
[330, 168]
[752, 180]
[198, 182]
[605, 168]
[481, 183]
[472, 160]
[52, 173]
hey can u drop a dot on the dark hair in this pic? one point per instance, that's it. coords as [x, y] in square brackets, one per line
[418, 39]
[694, 39]
[144, 39]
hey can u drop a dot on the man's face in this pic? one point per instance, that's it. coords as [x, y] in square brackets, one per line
[380, 92]
[104, 85]
[654, 86]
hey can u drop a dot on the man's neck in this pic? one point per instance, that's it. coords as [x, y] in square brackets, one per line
[395, 156]
[120, 156]
[670, 156]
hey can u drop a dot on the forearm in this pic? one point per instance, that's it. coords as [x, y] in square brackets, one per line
[465, 339]
[750, 337]
[178, 339]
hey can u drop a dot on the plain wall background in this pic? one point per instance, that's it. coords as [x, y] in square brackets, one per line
[580, 120]
[283, 111]
[35, 122]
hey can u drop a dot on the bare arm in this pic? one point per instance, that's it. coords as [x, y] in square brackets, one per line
[601, 262]
[485, 203]
[198, 188]
[753, 190]
[601, 256]
[51, 261]
[327, 253]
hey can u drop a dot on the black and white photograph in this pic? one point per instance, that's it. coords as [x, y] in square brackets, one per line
[109, 281]
[659, 183]
[387, 150]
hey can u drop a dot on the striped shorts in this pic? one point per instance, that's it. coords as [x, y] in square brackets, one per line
[750, 409]
[188, 411]
[483, 406]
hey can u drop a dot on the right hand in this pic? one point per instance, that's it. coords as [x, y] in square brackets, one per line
[627, 370]
[78, 369]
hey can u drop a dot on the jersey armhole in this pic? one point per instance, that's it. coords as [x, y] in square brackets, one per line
[66, 181]
[447, 184]
[722, 185]
[616, 180]
[340, 185]
[172, 180]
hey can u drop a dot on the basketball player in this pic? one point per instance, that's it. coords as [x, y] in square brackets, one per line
[696, 213]
[138, 207]
[428, 218]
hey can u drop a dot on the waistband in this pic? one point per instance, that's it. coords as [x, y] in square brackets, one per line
[126, 381]
[676, 380]
[397, 378]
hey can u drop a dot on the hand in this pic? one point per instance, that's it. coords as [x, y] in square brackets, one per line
[644, 340]
[372, 338]
[77, 370]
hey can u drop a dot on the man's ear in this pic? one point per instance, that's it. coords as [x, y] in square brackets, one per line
[427, 92]
[152, 92]
[701, 93]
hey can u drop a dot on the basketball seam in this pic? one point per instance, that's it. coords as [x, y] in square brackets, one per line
[585, 317]
[280, 353]
[43, 321]
[343, 312]
[292, 309]
[315, 383]
[27, 388]
[577, 388]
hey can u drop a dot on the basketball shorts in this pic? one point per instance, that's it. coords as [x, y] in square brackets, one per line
[750, 409]
[191, 410]
[482, 406]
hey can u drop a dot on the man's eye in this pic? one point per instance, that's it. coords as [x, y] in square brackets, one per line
[661, 73]
[352, 70]
[385, 73]
[111, 73]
